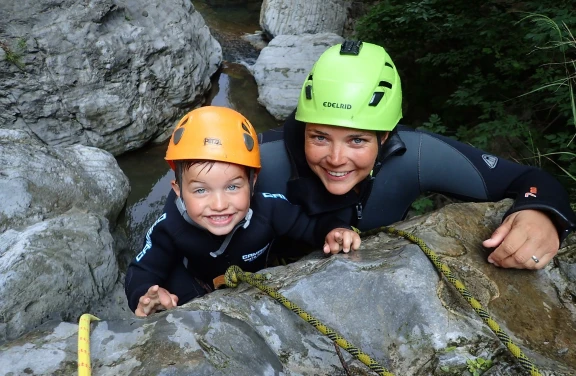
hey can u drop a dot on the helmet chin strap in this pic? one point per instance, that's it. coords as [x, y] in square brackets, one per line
[242, 224]
[378, 161]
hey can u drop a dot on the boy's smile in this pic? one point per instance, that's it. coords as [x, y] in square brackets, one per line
[216, 195]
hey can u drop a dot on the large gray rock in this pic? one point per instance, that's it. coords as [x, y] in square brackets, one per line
[279, 17]
[387, 299]
[103, 73]
[59, 209]
[282, 67]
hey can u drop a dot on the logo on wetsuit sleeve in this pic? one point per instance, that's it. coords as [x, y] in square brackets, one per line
[490, 160]
[532, 192]
[253, 256]
[274, 195]
[148, 244]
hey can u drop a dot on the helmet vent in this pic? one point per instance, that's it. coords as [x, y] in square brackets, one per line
[385, 84]
[308, 91]
[249, 142]
[178, 135]
[245, 127]
[388, 65]
[376, 98]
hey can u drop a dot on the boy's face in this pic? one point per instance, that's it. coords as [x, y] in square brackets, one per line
[217, 196]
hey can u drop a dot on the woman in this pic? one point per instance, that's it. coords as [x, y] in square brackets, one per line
[343, 153]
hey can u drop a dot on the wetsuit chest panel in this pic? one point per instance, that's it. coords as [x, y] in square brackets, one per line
[247, 249]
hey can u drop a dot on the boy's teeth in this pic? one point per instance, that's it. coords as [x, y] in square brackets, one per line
[219, 217]
[333, 173]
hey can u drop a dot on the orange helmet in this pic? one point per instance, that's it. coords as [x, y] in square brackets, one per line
[215, 134]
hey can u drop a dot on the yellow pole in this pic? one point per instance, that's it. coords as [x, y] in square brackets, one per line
[84, 344]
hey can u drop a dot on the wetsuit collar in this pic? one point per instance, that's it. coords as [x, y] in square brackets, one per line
[242, 224]
[304, 187]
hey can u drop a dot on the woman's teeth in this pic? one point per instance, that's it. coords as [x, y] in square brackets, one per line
[338, 174]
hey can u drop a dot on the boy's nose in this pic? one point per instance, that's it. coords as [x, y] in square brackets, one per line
[218, 202]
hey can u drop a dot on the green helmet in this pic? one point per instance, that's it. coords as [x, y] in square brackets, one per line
[353, 85]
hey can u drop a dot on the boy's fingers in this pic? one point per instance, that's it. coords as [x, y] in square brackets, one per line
[346, 242]
[356, 242]
[166, 300]
[335, 247]
[338, 237]
[174, 299]
[139, 312]
[153, 291]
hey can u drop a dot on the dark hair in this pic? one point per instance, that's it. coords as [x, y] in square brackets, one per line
[185, 165]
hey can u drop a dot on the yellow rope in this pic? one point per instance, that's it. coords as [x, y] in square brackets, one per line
[234, 274]
[84, 368]
[445, 270]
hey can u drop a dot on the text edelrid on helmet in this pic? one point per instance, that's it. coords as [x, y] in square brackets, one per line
[343, 106]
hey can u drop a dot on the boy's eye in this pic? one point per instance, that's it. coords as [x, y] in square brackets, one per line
[232, 187]
[200, 191]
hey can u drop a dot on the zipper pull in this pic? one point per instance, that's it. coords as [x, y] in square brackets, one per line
[359, 210]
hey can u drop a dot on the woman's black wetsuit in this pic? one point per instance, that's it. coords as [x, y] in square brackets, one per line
[413, 162]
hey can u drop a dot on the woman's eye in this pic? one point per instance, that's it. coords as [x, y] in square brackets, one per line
[320, 138]
[358, 141]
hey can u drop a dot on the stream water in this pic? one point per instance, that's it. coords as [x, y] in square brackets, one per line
[233, 86]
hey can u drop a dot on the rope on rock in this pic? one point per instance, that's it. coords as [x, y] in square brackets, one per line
[526, 363]
[234, 274]
[84, 367]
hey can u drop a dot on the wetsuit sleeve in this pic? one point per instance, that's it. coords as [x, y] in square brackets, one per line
[461, 171]
[291, 220]
[152, 265]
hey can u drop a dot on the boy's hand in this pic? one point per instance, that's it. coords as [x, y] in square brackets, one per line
[156, 299]
[341, 239]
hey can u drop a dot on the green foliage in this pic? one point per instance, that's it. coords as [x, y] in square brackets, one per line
[14, 55]
[422, 205]
[434, 124]
[497, 74]
[478, 366]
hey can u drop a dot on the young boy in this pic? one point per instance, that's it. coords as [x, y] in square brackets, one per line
[212, 219]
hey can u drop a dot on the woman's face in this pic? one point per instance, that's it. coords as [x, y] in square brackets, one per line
[341, 157]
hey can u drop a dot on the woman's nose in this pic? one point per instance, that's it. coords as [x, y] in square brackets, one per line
[336, 156]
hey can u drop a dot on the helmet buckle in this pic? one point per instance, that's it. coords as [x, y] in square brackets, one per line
[350, 47]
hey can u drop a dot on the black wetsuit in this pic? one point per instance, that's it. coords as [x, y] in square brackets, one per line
[172, 240]
[413, 162]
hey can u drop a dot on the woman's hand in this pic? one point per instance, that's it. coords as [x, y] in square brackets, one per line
[526, 239]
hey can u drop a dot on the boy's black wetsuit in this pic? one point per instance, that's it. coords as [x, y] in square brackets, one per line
[412, 162]
[171, 242]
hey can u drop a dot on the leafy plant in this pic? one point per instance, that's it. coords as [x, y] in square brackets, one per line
[434, 124]
[493, 74]
[478, 366]
[14, 56]
[422, 205]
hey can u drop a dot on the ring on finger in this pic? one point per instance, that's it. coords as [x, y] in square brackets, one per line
[536, 259]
